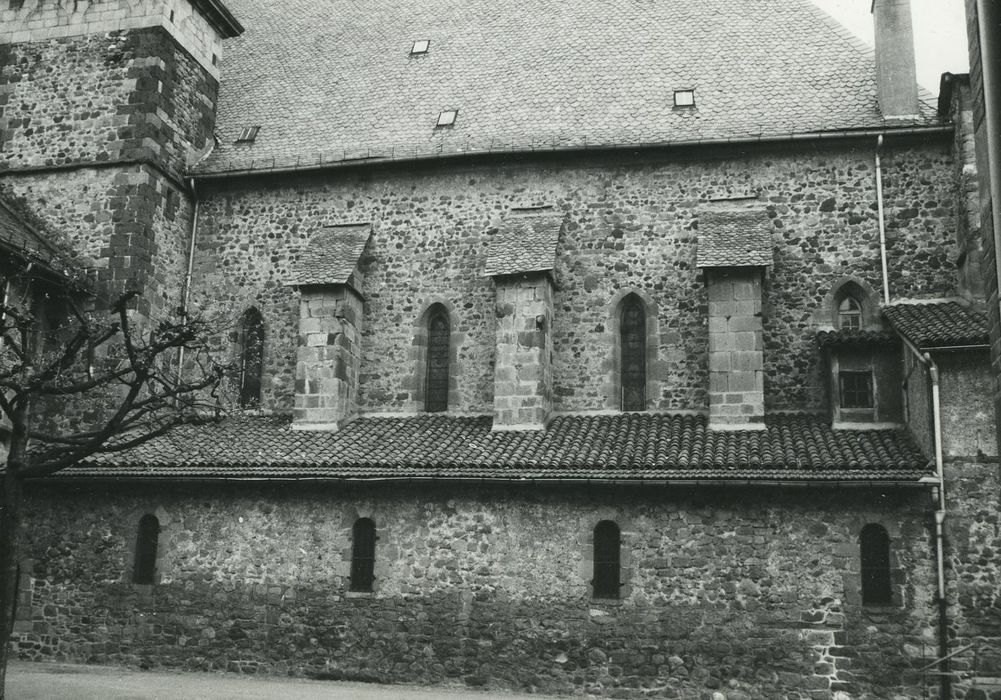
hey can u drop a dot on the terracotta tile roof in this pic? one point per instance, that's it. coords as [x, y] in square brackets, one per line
[331, 255]
[734, 239]
[334, 81]
[624, 446]
[938, 324]
[524, 242]
[855, 337]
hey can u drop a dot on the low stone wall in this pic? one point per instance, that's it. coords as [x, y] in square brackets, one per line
[748, 592]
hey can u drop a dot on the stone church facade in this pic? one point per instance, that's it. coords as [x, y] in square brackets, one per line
[624, 349]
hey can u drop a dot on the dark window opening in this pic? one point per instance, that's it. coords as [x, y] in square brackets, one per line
[363, 555]
[874, 544]
[252, 358]
[632, 346]
[607, 544]
[856, 389]
[147, 540]
[850, 314]
[436, 392]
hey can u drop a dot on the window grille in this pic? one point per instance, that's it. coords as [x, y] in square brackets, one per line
[856, 389]
[607, 543]
[874, 544]
[147, 540]
[850, 314]
[252, 358]
[632, 347]
[436, 393]
[363, 555]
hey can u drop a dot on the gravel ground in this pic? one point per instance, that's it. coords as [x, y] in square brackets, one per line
[52, 681]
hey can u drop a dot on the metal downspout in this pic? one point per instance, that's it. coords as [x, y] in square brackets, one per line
[940, 513]
[186, 289]
[882, 223]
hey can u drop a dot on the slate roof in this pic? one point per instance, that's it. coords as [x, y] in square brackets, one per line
[938, 324]
[734, 239]
[843, 337]
[632, 446]
[331, 255]
[334, 81]
[19, 238]
[524, 242]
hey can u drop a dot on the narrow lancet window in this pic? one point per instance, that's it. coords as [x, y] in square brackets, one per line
[251, 359]
[147, 541]
[363, 555]
[607, 566]
[874, 544]
[436, 394]
[632, 348]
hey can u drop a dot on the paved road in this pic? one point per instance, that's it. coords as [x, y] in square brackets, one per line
[50, 681]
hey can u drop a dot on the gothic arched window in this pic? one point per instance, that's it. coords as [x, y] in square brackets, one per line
[850, 314]
[251, 358]
[147, 540]
[436, 384]
[632, 348]
[363, 555]
[874, 546]
[607, 566]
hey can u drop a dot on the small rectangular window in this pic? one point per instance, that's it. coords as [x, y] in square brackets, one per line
[248, 134]
[447, 117]
[420, 46]
[684, 98]
[855, 389]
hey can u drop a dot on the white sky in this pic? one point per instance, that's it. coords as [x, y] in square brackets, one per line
[939, 33]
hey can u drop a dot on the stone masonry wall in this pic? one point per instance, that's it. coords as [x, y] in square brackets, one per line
[327, 359]
[736, 379]
[41, 21]
[750, 593]
[130, 222]
[523, 373]
[117, 96]
[630, 226]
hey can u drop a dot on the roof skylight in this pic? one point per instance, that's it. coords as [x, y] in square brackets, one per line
[684, 98]
[248, 134]
[421, 46]
[447, 117]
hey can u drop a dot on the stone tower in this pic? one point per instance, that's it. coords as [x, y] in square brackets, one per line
[102, 105]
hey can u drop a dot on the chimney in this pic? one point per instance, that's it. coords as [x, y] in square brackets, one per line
[896, 76]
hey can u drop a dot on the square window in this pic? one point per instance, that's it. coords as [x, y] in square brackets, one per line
[855, 389]
[684, 98]
[447, 117]
[420, 46]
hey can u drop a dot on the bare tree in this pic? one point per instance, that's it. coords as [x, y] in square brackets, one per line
[120, 380]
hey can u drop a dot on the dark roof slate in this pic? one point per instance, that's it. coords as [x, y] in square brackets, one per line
[334, 81]
[331, 256]
[605, 447]
[734, 239]
[938, 324]
[524, 242]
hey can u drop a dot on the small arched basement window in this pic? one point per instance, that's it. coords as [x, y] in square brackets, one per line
[362, 555]
[436, 383]
[874, 545]
[632, 349]
[607, 564]
[147, 541]
[850, 314]
[251, 358]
